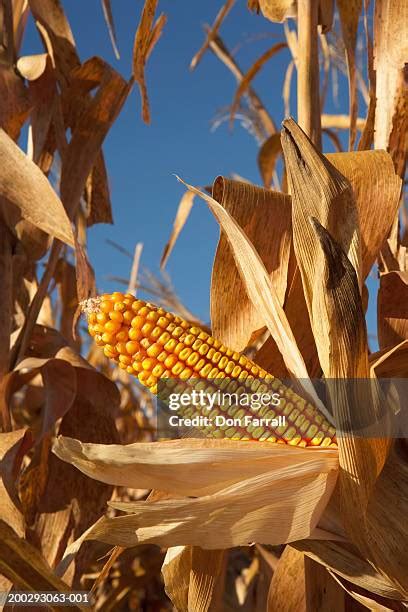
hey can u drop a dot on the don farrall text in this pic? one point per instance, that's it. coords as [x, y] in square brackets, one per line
[254, 409]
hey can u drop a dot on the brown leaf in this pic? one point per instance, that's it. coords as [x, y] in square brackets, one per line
[376, 188]
[57, 36]
[85, 276]
[183, 211]
[267, 158]
[24, 185]
[231, 516]
[390, 363]
[23, 565]
[278, 10]
[155, 34]
[345, 561]
[97, 194]
[349, 11]
[192, 577]
[392, 309]
[264, 216]
[90, 131]
[13, 446]
[140, 49]
[42, 93]
[251, 73]
[317, 188]
[15, 106]
[265, 120]
[65, 278]
[287, 588]
[212, 33]
[107, 13]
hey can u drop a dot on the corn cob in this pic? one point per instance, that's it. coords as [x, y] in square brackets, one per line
[153, 344]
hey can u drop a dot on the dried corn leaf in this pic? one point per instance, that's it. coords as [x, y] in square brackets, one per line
[264, 216]
[390, 363]
[176, 574]
[182, 214]
[23, 184]
[42, 92]
[376, 188]
[278, 10]
[392, 309]
[319, 191]
[211, 34]
[15, 106]
[99, 208]
[267, 158]
[107, 13]
[264, 507]
[251, 73]
[90, 130]
[287, 588]
[155, 34]
[182, 467]
[345, 561]
[349, 11]
[191, 577]
[265, 120]
[23, 565]
[140, 49]
[390, 55]
[57, 36]
[13, 445]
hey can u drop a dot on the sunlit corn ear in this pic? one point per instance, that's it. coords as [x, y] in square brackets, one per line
[153, 344]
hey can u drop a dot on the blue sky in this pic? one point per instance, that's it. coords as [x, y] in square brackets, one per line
[142, 160]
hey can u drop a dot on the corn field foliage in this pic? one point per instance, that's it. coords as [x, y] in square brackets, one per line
[90, 498]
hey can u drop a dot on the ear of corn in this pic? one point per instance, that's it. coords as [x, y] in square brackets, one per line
[153, 344]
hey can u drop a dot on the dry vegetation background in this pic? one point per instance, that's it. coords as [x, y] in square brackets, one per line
[296, 301]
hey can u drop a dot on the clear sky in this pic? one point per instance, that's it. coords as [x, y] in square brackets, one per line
[142, 160]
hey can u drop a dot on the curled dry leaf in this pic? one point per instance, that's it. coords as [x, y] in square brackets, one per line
[31, 67]
[376, 189]
[22, 564]
[287, 588]
[211, 34]
[22, 184]
[13, 446]
[192, 577]
[182, 214]
[267, 157]
[57, 36]
[278, 10]
[252, 72]
[344, 560]
[264, 507]
[392, 309]
[140, 50]
[265, 217]
[90, 130]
